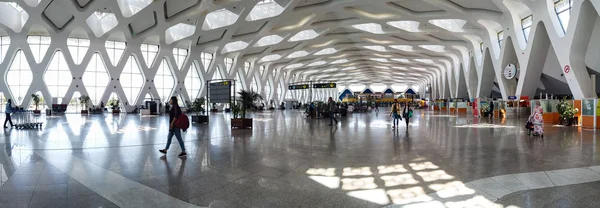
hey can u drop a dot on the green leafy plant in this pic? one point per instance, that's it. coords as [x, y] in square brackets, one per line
[114, 103]
[248, 98]
[84, 100]
[566, 110]
[198, 105]
[236, 110]
[485, 108]
[36, 100]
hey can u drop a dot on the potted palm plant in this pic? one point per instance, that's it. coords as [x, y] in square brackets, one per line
[567, 112]
[83, 101]
[36, 101]
[197, 107]
[248, 98]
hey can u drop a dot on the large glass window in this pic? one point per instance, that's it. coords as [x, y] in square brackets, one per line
[39, 45]
[193, 82]
[247, 67]
[19, 77]
[526, 25]
[149, 52]
[262, 70]
[131, 80]
[163, 81]
[78, 47]
[58, 77]
[500, 38]
[206, 59]
[180, 54]
[217, 75]
[563, 11]
[228, 64]
[4, 44]
[254, 85]
[239, 82]
[268, 90]
[115, 50]
[95, 78]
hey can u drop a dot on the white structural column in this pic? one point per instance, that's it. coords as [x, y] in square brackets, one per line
[462, 91]
[531, 69]
[486, 77]
[582, 23]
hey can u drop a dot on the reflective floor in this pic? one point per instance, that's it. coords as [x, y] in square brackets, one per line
[285, 161]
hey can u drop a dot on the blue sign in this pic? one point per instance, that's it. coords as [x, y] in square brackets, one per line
[512, 97]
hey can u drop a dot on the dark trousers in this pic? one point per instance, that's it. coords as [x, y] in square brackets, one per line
[8, 119]
[332, 118]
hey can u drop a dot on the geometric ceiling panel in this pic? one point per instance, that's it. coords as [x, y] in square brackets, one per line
[57, 14]
[234, 46]
[310, 2]
[178, 32]
[174, 7]
[13, 16]
[486, 5]
[142, 22]
[32, 3]
[370, 27]
[416, 6]
[219, 18]
[304, 35]
[266, 9]
[268, 40]
[101, 22]
[131, 7]
[452, 25]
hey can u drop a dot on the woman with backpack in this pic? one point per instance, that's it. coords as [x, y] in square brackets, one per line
[174, 113]
[407, 113]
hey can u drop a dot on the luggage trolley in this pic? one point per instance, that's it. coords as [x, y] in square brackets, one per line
[25, 119]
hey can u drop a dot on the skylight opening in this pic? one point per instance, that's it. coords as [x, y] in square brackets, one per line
[452, 25]
[426, 61]
[406, 48]
[297, 54]
[101, 22]
[132, 7]
[419, 68]
[326, 51]
[304, 35]
[318, 63]
[382, 67]
[376, 48]
[265, 9]
[272, 57]
[219, 18]
[401, 60]
[434, 48]
[379, 60]
[234, 46]
[268, 40]
[340, 61]
[383, 55]
[294, 66]
[410, 26]
[370, 27]
[349, 68]
[330, 70]
[399, 67]
[179, 31]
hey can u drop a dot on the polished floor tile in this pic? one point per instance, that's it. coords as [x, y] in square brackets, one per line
[287, 160]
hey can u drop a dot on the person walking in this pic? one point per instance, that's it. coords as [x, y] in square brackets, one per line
[332, 111]
[537, 119]
[174, 113]
[407, 113]
[395, 114]
[376, 107]
[8, 110]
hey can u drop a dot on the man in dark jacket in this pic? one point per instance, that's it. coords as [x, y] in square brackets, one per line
[332, 109]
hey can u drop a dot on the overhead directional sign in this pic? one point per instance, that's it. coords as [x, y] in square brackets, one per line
[324, 85]
[299, 87]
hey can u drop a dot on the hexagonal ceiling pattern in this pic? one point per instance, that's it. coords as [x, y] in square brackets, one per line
[348, 41]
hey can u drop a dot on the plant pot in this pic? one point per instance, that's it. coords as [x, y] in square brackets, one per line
[84, 111]
[37, 112]
[116, 111]
[214, 110]
[241, 123]
[200, 119]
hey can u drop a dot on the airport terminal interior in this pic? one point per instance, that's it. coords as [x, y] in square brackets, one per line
[299, 103]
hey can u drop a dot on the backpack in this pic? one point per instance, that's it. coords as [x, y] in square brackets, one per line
[182, 122]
